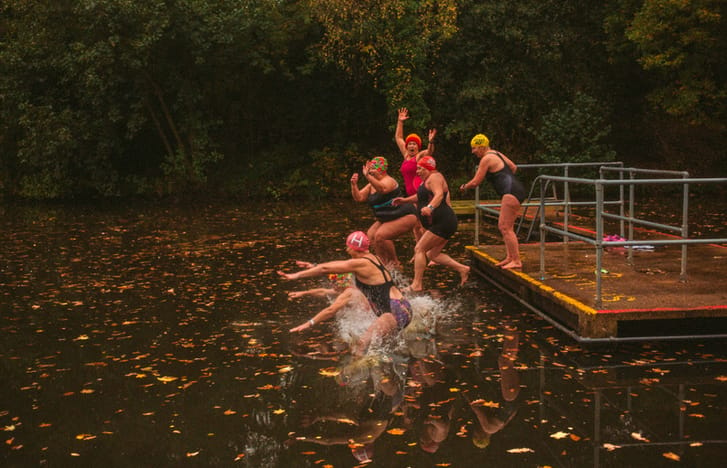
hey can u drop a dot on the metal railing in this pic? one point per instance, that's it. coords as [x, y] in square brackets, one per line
[553, 200]
[599, 243]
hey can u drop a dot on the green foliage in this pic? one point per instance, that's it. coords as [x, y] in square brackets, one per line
[114, 97]
[682, 45]
[575, 132]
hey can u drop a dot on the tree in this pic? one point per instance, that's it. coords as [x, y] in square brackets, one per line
[682, 45]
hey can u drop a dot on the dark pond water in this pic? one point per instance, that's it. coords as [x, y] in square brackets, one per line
[157, 335]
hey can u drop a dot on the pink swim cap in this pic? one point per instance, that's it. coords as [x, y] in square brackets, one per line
[358, 241]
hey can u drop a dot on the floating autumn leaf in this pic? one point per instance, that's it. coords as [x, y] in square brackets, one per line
[193, 454]
[167, 378]
[671, 456]
[721, 378]
[239, 457]
[488, 404]
[279, 411]
[268, 387]
[638, 436]
[87, 391]
[574, 438]
[329, 372]
[611, 447]
[559, 435]
[695, 415]
[85, 437]
[285, 369]
[521, 450]
[9, 428]
[81, 338]
[229, 412]
[396, 431]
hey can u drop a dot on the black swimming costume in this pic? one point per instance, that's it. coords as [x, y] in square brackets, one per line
[384, 210]
[380, 300]
[505, 182]
[443, 221]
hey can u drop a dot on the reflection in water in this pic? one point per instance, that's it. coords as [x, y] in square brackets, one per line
[159, 336]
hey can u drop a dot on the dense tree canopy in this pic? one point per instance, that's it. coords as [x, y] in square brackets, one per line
[281, 97]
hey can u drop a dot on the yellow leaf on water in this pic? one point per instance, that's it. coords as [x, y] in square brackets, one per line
[285, 369]
[521, 450]
[279, 411]
[329, 372]
[671, 456]
[229, 412]
[721, 378]
[638, 436]
[193, 454]
[396, 431]
[167, 378]
[85, 437]
[611, 447]
[559, 435]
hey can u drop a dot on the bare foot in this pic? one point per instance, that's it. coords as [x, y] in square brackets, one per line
[511, 265]
[464, 274]
[503, 262]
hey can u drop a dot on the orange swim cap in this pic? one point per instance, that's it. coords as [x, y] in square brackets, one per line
[415, 138]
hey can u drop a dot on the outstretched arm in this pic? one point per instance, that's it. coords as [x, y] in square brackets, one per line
[478, 177]
[429, 151]
[327, 313]
[359, 195]
[337, 266]
[399, 134]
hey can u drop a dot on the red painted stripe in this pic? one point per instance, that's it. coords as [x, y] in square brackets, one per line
[664, 309]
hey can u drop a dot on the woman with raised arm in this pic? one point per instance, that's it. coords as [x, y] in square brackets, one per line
[411, 149]
[372, 281]
[391, 221]
[499, 170]
[437, 218]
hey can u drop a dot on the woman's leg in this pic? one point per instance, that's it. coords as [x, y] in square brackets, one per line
[446, 260]
[506, 223]
[382, 326]
[429, 242]
[385, 235]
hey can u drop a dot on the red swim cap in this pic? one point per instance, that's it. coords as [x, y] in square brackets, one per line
[428, 163]
[415, 138]
[358, 241]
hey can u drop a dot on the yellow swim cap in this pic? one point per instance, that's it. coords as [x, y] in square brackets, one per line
[479, 140]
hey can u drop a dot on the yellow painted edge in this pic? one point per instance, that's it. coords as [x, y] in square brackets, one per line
[544, 287]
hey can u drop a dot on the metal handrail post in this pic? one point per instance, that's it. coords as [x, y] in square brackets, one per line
[685, 229]
[477, 216]
[542, 230]
[599, 240]
[566, 199]
[621, 204]
[630, 257]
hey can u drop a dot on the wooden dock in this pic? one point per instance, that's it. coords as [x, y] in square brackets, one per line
[640, 301]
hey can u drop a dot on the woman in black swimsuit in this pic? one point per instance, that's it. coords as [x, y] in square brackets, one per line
[437, 218]
[391, 221]
[373, 283]
[500, 171]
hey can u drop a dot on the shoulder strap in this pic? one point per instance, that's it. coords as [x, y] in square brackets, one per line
[380, 266]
